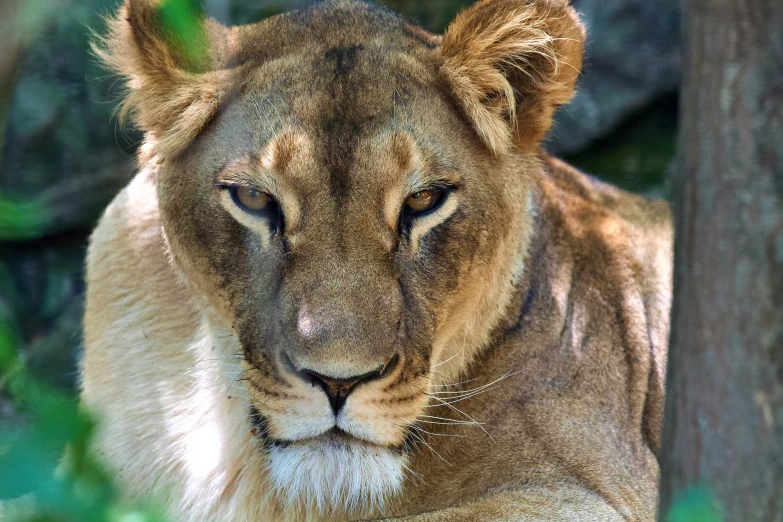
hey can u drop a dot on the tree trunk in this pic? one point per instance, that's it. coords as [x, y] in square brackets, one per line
[722, 456]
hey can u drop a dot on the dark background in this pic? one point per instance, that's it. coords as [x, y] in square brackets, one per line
[64, 156]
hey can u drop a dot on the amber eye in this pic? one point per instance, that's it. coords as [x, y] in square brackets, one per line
[424, 201]
[251, 199]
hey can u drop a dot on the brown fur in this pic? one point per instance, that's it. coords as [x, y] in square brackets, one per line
[536, 297]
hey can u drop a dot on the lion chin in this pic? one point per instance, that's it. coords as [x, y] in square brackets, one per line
[334, 472]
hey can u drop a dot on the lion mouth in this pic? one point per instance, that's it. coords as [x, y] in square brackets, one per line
[335, 437]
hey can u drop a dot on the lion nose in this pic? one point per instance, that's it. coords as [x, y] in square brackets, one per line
[338, 389]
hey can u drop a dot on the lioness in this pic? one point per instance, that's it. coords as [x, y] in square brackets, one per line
[347, 282]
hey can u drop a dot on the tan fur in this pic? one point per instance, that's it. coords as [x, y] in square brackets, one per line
[516, 337]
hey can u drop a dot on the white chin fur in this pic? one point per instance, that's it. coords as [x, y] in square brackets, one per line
[335, 474]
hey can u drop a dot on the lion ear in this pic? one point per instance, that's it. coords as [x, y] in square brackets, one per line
[510, 63]
[163, 50]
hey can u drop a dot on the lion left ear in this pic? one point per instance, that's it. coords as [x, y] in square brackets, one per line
[510, 63]
[166, 51]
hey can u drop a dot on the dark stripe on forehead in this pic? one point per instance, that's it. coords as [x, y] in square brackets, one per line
[341, 129]
[343, 59]
[341, 136]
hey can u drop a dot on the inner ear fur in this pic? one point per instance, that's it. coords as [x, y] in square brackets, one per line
[510, 63]
[173, 90]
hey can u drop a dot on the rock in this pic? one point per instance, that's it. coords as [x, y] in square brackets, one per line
[639, 154]
[632, 59]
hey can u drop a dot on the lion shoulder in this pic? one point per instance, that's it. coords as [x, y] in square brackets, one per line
[621, 245]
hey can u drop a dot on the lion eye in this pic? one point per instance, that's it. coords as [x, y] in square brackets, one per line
[251, 199]
[424, 201]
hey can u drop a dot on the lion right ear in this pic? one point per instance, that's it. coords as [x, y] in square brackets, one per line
[510, 63]
[163, 50]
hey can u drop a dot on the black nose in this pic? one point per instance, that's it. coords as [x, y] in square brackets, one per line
[337, 390]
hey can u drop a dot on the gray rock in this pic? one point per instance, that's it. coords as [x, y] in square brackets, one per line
[632, 59]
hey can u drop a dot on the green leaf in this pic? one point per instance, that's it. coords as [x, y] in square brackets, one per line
[21, 220]
[183, 21]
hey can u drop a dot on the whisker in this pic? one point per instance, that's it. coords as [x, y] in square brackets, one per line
[460, 394]
[235, 378]
[270, 127]
[287, 110]
[447, 360]
[453, 400]
[453, 384]
[409, 470]
[421, 439]
[478, 388]
[463, 414]
[437, 434]
[279, 118]
[451, 423]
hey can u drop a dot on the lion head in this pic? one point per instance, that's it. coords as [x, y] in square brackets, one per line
[350, 195]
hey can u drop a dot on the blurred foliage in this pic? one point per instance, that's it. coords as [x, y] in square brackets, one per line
[183, 19]
[47, 473]
[637, 155]
[59, 166]
[40, 289]
[696, 504]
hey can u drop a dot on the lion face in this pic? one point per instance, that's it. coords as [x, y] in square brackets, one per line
[351, 195]
[305, 236]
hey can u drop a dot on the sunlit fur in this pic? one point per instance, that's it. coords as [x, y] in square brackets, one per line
[512, 341]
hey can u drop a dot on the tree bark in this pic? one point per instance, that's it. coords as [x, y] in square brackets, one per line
[723, 432]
